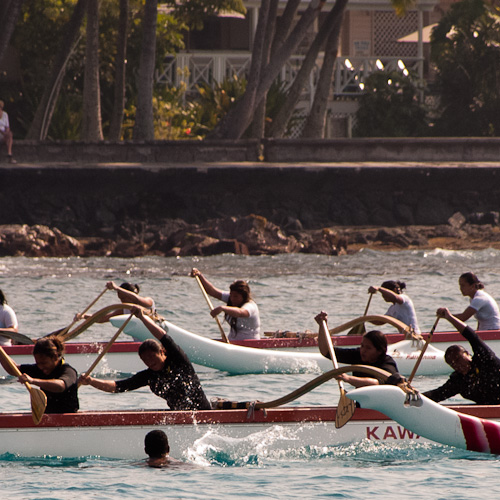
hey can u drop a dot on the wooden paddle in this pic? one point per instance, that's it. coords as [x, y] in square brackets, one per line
[38, 397]
[422, 352]
[209, 302]
[107, 347]
[361, 329]
[65, 330]
[346, 406]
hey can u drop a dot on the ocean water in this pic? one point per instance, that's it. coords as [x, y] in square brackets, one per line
[290, 290]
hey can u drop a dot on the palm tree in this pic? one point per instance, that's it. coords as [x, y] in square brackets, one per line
[115, 129]
[9, 14]
[144, 119]
[91, 124]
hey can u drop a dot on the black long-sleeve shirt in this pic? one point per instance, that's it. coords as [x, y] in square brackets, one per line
[481, 384]
[177, 382]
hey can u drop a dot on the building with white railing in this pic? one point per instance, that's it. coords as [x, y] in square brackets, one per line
[372, 37]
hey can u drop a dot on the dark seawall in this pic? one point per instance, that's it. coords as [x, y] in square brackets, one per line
[86, 190]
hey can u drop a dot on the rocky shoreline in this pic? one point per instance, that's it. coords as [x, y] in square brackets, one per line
[249, 235]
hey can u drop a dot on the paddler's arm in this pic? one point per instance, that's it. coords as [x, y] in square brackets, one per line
[387, 294]
[209, 288]
[357, 381]
[444, 312]
[156, 330]
[130, 297]
[234, 312]
[50, 385]
[322, 342]
[468, 313]
[102, 385]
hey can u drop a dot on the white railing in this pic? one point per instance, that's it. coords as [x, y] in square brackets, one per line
[196, 68]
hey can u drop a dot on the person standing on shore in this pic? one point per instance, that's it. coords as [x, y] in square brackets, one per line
[482, 305]
[5, 132]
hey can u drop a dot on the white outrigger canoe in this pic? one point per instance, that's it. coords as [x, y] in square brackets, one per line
[239, 360]
[308, 341]
[471, 427]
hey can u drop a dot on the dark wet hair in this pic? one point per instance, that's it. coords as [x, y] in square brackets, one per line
[52, 347]
[3, 300]
[130, 287]
[453, 351]
[472, 279]
[242, 288]
[394, 286]
[378, 339]
[156, 444]
[150, 345]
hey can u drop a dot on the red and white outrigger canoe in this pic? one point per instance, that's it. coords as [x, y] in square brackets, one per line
[472, 427]
[121, 434]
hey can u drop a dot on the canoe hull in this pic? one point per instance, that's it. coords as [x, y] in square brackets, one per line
[121, 435]
[434, 421]
[241, 360]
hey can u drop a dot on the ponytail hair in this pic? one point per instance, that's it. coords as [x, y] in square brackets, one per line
[130, 287]
[394, 286]
[472, 279]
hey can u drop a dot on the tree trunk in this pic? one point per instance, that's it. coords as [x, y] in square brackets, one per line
[144, 119]
[115, 129]
[259, 120]
[280, 122]
[9, 14]
[285, 23]
[40, 125]
[234, 124]
[91, 123]
[316, 121]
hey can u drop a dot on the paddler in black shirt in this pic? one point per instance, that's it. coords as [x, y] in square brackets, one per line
[475, 377]
[52, 374]
[170, 375]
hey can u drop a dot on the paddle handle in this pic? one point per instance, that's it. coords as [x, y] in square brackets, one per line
[63, 333]
[209, 302]
[331, 350]
[108, 346]
[368, 304]
[422, 352]
[13, 366]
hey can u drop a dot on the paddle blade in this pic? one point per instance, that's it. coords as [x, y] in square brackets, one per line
[357, 330]
[345, 410]
[38, 404]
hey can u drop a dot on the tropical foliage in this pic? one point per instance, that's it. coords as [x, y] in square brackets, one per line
[390, 107]
[466, 52]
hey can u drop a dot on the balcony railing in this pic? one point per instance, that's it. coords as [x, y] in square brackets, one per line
[196, 68]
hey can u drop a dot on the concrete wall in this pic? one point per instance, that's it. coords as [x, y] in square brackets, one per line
[286, 150]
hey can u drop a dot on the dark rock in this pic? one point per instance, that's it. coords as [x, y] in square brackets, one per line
[484, 218]
[457, 220]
